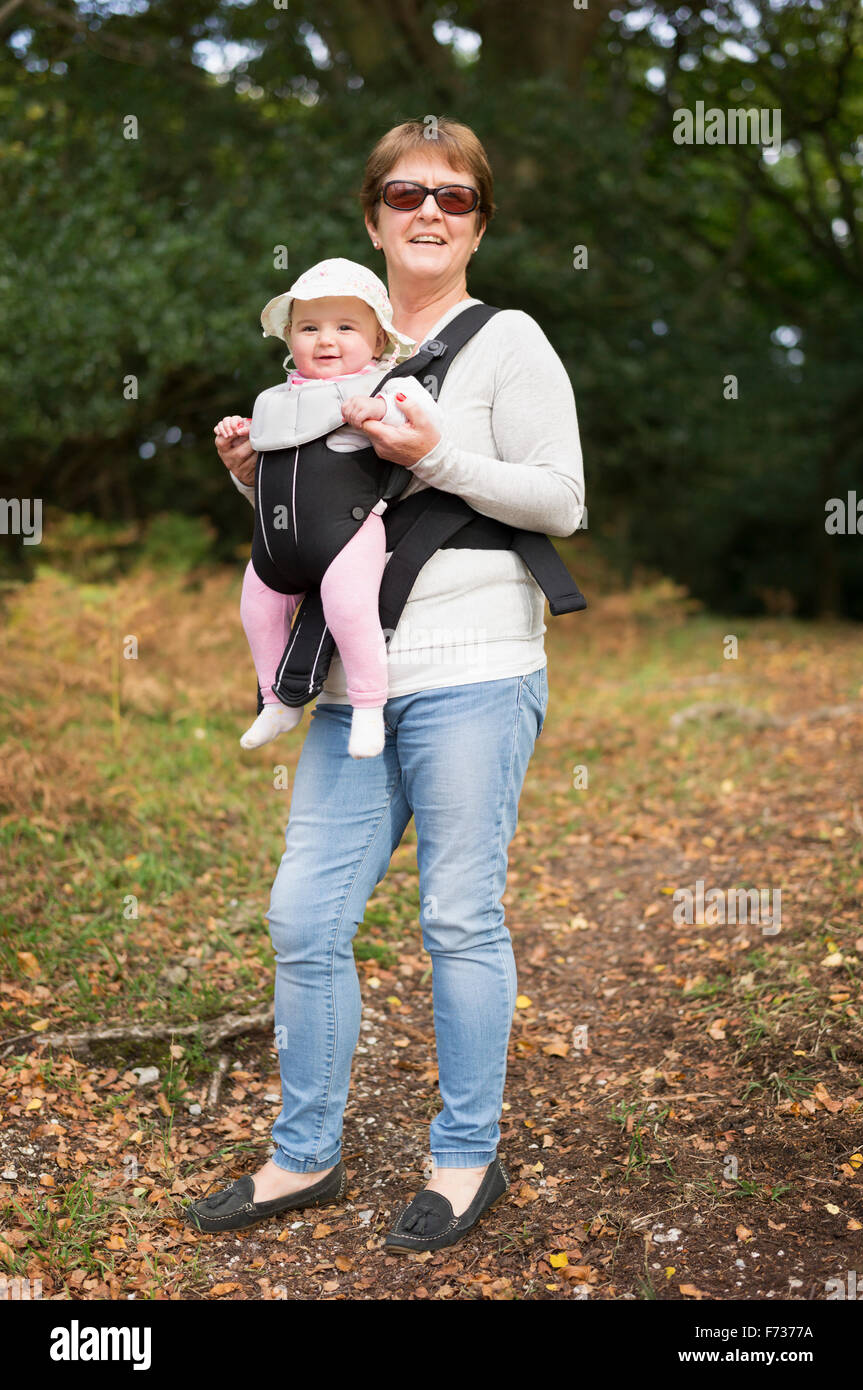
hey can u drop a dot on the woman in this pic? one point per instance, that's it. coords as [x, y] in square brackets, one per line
[462, 719]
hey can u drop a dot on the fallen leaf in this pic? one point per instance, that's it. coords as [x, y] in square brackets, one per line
[821, 1094]
[526, 1194]
[579, 923]
[29, 964]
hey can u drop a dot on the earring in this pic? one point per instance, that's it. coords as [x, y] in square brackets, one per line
[376, 245]
[476, 248]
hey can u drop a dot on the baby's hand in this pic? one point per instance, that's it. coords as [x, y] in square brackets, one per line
[232, 427]
[358, 409]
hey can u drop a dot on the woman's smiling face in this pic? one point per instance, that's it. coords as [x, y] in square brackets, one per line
[426, 244]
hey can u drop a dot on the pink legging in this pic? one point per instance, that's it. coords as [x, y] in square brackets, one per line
[349, 593]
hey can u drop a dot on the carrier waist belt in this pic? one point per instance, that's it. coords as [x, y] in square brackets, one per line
[428, 521]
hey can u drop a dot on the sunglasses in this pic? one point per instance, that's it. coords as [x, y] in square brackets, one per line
[456, 198]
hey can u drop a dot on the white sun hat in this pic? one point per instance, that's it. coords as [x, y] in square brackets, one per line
[337, 277]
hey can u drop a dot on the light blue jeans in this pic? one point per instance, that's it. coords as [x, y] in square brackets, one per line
[455, 758]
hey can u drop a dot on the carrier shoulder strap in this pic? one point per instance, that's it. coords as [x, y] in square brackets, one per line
[440, 515]
[430, 364]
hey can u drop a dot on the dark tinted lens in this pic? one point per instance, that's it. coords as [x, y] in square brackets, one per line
[403, 196]
[456, 198]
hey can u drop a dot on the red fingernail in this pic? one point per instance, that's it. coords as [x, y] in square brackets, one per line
[399, 396]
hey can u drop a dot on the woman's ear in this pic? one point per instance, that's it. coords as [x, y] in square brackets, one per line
[373, 232]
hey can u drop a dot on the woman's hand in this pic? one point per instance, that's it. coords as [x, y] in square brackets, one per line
[404, 444]
[234, 449]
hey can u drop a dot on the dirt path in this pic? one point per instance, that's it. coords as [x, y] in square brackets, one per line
[684, 1099]
[674, 1128]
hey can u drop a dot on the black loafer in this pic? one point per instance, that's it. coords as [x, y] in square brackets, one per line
[233, 1208]
[429, 1223]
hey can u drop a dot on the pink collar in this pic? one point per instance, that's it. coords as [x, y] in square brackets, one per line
[297, 378]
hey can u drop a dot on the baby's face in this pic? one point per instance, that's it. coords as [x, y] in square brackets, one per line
[331, 337]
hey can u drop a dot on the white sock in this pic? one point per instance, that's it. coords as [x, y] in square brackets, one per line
[272, 721]
[368, 733]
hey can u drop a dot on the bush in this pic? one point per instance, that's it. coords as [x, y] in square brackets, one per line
[178, 542]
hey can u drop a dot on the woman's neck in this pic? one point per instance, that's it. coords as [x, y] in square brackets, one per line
[415, 312]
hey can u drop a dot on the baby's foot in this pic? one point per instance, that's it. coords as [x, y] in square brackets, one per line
[272, 721]
[368, 734]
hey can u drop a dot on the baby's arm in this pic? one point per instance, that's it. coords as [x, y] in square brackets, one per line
[416, 393]
[357, 409]
[232, 445]
[385, 405]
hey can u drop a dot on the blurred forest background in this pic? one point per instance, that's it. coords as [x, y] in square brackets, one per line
[137, 840]
[153, 256]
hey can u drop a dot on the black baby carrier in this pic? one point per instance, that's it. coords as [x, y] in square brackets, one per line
[312, 480]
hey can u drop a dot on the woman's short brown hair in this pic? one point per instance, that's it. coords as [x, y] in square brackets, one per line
[457, 144]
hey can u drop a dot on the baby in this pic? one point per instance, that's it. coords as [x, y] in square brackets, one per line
[337, 321]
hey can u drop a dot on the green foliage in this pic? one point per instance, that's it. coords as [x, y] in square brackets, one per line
[85, 548]
[135, 269]
[93, 551]
[174, 541]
